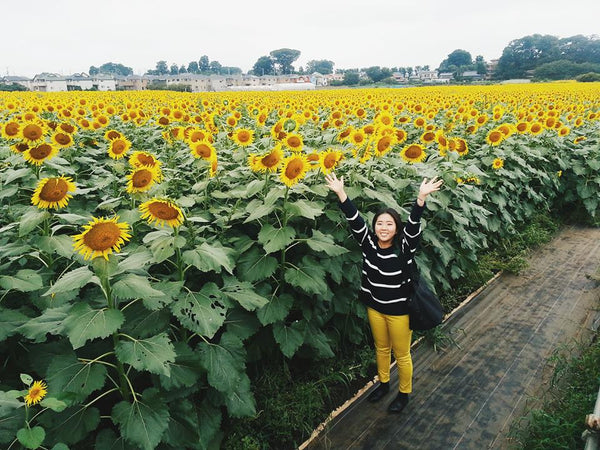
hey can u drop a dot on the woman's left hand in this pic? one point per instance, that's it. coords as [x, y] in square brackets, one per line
[427, 187]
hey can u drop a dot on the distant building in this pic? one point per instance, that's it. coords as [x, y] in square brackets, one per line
[79, 82]
[471, 75]
[23, 81]
[131, 83]
[490, 69]
[48, 82]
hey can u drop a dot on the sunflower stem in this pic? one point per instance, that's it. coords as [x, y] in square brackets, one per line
[180, 270]
[283, 225]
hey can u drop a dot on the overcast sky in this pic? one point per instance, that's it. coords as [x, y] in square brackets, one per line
[67, 36]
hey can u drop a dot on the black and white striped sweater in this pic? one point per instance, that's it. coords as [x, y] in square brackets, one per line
[385, 286]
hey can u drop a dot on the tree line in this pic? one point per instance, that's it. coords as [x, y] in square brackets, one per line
[539, 56]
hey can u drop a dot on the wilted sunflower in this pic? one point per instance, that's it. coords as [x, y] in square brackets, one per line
[267, 163]
[53, 192]
[141, 179]
[162, 212]
[413, 153]
[294, 142]
[498, 164]
[61, 139]
[36, 393]
[203, 150]
[329, 160]
[10, 129]
[494, 137]
[117, 148]
[32, 132]
[101, 237]
[40, 153]
[294, 169]
[243, 137]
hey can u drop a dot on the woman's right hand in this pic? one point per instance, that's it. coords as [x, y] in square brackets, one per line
[336, 185]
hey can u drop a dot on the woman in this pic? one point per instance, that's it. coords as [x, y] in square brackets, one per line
[385, 285]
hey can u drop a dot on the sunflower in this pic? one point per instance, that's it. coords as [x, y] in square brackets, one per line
[197, 135]
[441, 139]
[345, 134]
[413, 153]
[53, 192]
[420, 122]
[118, 147]
[482, 119]
[294, 142]
[40, 153]
[358, 137]
[536, 128]
[110, 135]
[101, 237]
[67, 128]
[506, 129]
[401, 136]
[385, 118]
[231, 121]
[494, 137]
[203, 149]
[330, 159]
[10, 130]
[563, 131]
[140, 159]
[32, 132]
[19, 147]
[498, 163]
[522, 127]
[141, 179]
[384, 143]
[428, 137]
[36, 392]
[579, 139]
[461, 146]
[213, 166]
[294, 169]
[162, 212]
[243, 137]
[61, 139]
[267, 163]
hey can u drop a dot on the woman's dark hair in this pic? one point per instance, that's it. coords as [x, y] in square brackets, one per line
[392, 212]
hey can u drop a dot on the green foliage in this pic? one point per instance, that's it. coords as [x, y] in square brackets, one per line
[588, 77]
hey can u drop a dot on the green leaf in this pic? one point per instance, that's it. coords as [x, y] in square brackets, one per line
[255, 265]
[135, 261]
[31, 219]
[383, 197]
[152, 354]
[15, 174]
[240, 401]
[108, 440]
[61, 245]
[207, 257]
[324, 243]
[69, 281]
[170, 289]
[66, 374]
[309, 276]
[201, 312]
[53, 404]
[243, 293]
[274, 239]
[289, 338]
[162, 248]
[79, 421]
[51, 321]
[319, 341]
[276, 310]
[25, 280]
[84, 323]
[223, 364]
[183, 426]
[210, 423]
[60, 446]
[9, 401]
[10, 320]
[241, 323]
[186, 369]
[26, 379]
[135, 286]
[31, 437]
[307, 209]
[257, 210]
[144, 421]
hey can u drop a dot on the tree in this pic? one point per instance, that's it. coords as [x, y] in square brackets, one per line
[193, 67]
[409, 71]
[460, 58]
[563, 69]
[162, 68]
[174, 69]
[204, 64]
[264, 66]
[351, 78]
[93, 70]
[525, 54]
[215, 67]
[580, 49]
[110, 68]
[323, 66]
[377, 73]
[283, 58]
[480, 65]
[182, 69]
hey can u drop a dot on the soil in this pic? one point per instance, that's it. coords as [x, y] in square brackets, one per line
[468, 395]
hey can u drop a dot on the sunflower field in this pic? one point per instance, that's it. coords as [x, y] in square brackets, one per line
[155, 245]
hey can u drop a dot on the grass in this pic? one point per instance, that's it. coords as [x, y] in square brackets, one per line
[558, 421]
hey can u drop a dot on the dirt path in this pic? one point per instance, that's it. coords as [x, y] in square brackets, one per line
[466, 397]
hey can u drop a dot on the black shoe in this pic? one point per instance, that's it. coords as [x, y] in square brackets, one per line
[399, 403]
[379, 393]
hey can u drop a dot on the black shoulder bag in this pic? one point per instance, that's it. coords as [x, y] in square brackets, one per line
[425, 310]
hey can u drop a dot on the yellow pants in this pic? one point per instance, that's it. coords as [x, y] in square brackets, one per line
[392, 332]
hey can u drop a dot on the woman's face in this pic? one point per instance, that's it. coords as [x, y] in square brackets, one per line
[385, 230]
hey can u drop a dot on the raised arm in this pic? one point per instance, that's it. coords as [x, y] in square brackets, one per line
[411, 233]
[357, 224]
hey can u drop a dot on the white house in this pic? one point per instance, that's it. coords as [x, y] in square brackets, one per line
[318, 79]
[79, 81]
[48, 82]
[104, 82]
[23, 81]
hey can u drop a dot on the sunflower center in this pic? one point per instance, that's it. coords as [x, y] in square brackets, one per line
[384, 143]
[118, 146]
[112, 134]
[414, 151]
[243, 136]
[330, 160]
[33, 132]
[102, 236]
[40, 152]
[429, 136]
[141, 178]
[21, 147]
[67, 128]
[63, 138]
[146, 160]
[11, 129]
[163, 211]
[294, 168]
[203, 150]
[54, 190]
[270, 160]
[294, 141]
[163, 121]
[495, 136]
